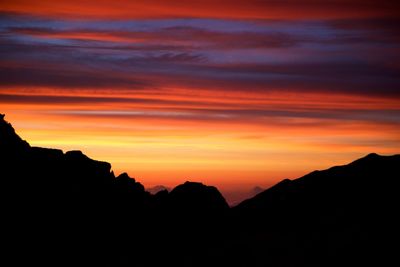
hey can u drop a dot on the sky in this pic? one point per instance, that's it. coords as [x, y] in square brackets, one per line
[234, 94]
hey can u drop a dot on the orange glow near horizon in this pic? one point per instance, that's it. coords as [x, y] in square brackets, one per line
[242, 152]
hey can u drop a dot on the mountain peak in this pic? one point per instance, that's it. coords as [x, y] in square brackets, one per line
[368, 158]
[192, 196]
[9, 139]
[371, 155]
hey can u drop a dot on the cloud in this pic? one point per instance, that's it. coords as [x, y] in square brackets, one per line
[66, 78]
[183, 36]
[259, 9]
[234, 110]
[294, 116]
[338, 56]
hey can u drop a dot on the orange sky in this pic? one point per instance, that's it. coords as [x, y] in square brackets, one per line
[234, 94]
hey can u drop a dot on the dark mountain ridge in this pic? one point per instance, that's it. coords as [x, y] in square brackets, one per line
[65, 208]
[350, 183]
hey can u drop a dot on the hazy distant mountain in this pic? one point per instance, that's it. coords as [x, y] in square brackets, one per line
[155, 189]
[256, 190]
[234, 197]
[66, 208]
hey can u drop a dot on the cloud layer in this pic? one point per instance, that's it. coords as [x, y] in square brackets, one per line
[227, 89]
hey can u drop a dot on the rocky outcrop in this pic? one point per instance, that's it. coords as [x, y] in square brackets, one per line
[192, 197]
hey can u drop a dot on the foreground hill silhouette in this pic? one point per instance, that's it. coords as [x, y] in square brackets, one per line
[65, 208]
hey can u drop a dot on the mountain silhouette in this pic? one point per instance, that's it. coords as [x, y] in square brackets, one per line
[330, 216]
[192, 196]
[65, 208]
[155, 189]
[47, 191]
[360, 186]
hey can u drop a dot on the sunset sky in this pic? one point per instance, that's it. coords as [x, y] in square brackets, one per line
[234, 94]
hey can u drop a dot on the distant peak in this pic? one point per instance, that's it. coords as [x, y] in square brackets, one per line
[369, 157]
[372, 155]
[158, 188]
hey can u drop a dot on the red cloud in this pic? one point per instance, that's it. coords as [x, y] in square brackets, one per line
[255, 9]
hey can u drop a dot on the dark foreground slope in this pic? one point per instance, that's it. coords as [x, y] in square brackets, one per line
[65, 208]
[345, 215]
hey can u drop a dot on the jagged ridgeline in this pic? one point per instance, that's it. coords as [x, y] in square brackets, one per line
[45, 174]
[65, 208]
